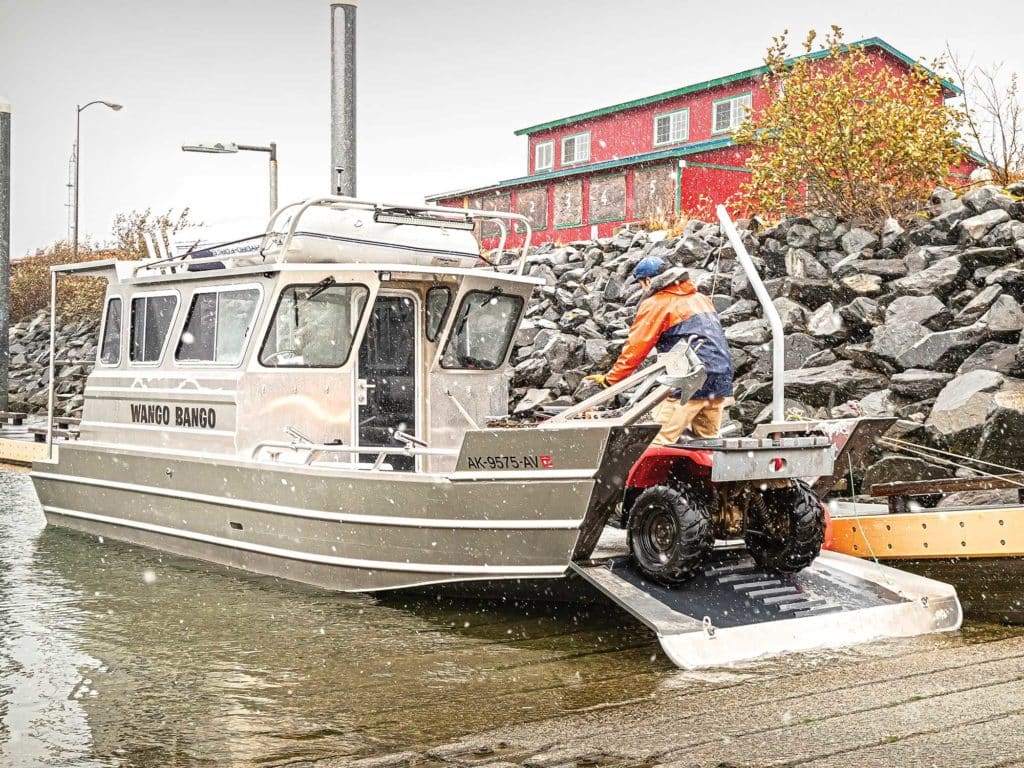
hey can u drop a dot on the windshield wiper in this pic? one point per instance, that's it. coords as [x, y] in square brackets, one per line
[322, 286]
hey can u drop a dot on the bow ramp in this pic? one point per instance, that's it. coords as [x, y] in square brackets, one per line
[736, 611]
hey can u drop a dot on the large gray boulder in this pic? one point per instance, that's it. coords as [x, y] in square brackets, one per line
[919, 384]
[896, 468]
[958, 416]
[944, 350]
[992, 356]
[938, 280]
[926, 310]
[1004, 319]
[748, 332]
[976, 227]
[857, 239]
[893, 339]
[978, 306]
[1002, 438]
[823, 386]
[825, 322]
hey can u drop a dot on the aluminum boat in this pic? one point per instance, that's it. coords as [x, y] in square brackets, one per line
[320, 408]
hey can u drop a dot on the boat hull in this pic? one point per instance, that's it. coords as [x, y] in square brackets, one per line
[348, 530]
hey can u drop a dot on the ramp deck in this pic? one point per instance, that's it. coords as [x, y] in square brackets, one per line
[736, 610]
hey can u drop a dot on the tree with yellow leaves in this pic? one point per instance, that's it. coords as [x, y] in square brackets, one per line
[846, 134]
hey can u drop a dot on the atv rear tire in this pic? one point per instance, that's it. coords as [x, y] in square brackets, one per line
[669, 534]
[785, 528]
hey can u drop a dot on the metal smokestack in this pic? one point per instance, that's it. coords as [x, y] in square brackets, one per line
[343, 97]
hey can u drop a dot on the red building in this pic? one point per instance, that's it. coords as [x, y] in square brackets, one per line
[588, 174]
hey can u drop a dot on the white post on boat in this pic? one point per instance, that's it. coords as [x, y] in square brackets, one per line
[770, 312]
[343, 97]
[52, 384]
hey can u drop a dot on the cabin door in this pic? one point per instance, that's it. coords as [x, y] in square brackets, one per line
[386, 386]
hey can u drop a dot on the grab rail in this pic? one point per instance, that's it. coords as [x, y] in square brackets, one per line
[679, 368]
[435, 213]
[317, 449]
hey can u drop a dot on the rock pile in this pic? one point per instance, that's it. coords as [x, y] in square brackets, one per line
[30, 360]
[921, 321]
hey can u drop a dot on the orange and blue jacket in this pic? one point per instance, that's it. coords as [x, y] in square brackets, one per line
[669, 316]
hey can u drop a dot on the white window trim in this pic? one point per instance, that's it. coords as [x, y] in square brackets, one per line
[248, 336]
[550, 146]
[575, 136]
[103, 333]
[748, 96]
[170, 329]
[654, 127]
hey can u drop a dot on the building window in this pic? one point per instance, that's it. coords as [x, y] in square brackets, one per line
[672, 127]
[729, 113]
[150, 323]
[544, 156]
[576, 148]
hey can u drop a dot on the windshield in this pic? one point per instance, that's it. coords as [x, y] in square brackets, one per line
[482, 331]
[313, 326]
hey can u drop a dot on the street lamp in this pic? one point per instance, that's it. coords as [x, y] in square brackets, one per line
[230, 148]
[78, 152]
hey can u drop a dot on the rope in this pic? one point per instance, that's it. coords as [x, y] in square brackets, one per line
[946, 462]
[940, 452]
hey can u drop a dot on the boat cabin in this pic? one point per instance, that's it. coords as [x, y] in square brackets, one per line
[357, 325]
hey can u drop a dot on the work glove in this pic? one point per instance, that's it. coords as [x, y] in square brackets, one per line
[599, 379]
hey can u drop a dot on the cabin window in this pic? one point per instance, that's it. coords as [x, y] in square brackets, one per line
[151, 322]
[218, 325]
[439, 299]
[672, 127]
[314, 325]
[482, 331]
[544, 156]
[729, 113]
[576, 149]
[110, 346]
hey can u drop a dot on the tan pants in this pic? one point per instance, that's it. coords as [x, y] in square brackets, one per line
[703, 417]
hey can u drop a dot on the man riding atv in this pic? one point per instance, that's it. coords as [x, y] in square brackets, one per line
[681, 496]
[673, 311]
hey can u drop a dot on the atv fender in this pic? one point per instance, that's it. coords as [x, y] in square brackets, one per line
[660, 461]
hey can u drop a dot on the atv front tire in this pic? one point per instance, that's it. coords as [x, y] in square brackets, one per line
[669, 534]
[785, 528]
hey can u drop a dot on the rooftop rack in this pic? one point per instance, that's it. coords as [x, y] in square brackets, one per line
[401, 213]
[387, 213]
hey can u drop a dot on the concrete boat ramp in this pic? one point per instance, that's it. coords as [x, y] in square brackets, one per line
[937, 701]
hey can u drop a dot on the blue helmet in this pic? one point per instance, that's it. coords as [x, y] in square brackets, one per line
[649, 267]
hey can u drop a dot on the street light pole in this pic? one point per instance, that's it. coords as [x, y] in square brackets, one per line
[78, 154]
[230, 148]
[5, 247]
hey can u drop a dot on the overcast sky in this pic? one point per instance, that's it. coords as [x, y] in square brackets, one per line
[442, 85]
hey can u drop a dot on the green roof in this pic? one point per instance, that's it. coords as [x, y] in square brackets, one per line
[647, 157]
[871, 42]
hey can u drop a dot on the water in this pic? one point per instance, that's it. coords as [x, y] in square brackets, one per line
[112, 655]
[115, 655]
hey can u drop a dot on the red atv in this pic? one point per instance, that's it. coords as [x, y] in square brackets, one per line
[680, 498]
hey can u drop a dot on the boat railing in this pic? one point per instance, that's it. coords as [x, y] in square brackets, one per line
[401, 213]
[314, 452]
